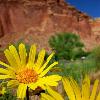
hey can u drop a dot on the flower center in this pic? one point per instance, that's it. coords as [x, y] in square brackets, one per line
[27, 76]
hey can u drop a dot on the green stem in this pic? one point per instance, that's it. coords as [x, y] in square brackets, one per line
[27, 94]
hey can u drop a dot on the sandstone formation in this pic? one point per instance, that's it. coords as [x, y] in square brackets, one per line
[37, 20]
[95, 26]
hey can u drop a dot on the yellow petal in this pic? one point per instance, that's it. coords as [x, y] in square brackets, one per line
[10, 58]
[32, 55]
[15, 54]
[12, 83]
[5, 71]
[86, 88]
[3, 91]
[42, 98]
[93, 94]
[52, 80]
[33, 86]
[23, 54]
[21, 92]
[40, 59]
[46, 70]
[6, 77]
[45, 96]
[68, 88]
[76, 89]
[3, 64]
[52, 83]
[54, 94]
[44, 66]
[98, 97]
[39, 83]
[43, 86]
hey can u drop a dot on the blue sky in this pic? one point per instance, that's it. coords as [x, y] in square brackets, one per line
[91, 7]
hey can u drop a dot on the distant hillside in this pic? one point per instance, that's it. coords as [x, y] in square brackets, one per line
[35, 21]
[95, 25]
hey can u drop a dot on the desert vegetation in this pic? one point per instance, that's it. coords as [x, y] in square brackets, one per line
[30, 74]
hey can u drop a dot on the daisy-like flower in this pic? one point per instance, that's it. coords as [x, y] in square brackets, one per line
[73, 91]
[51, 95]
[2, 90]
[26, 72]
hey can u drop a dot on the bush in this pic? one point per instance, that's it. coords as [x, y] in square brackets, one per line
[76, 69]
[95, 55]
[8, 96]
[67, 46]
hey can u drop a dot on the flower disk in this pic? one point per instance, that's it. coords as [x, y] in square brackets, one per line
[27, 76]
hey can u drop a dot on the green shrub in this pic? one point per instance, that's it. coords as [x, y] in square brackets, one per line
[95, 55]
[8, 96]
[67, 46]
[76, 69]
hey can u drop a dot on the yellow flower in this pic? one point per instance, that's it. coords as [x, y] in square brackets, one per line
[3, 90]
[52, 95]
[24, 71]
[73, 90]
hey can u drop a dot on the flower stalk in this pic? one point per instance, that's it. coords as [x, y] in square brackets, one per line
[27, 94]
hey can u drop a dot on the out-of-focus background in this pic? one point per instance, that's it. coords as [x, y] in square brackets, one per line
[71, 28]
[36, 20]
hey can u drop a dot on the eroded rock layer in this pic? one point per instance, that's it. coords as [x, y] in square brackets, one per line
[39, 19]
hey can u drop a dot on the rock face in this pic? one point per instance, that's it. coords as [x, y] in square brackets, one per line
[37, 18]
[95, 25]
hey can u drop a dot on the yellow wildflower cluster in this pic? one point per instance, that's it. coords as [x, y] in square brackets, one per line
[26, 72]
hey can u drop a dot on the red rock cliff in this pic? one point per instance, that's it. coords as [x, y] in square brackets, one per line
[95, 25]
[41, 18]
